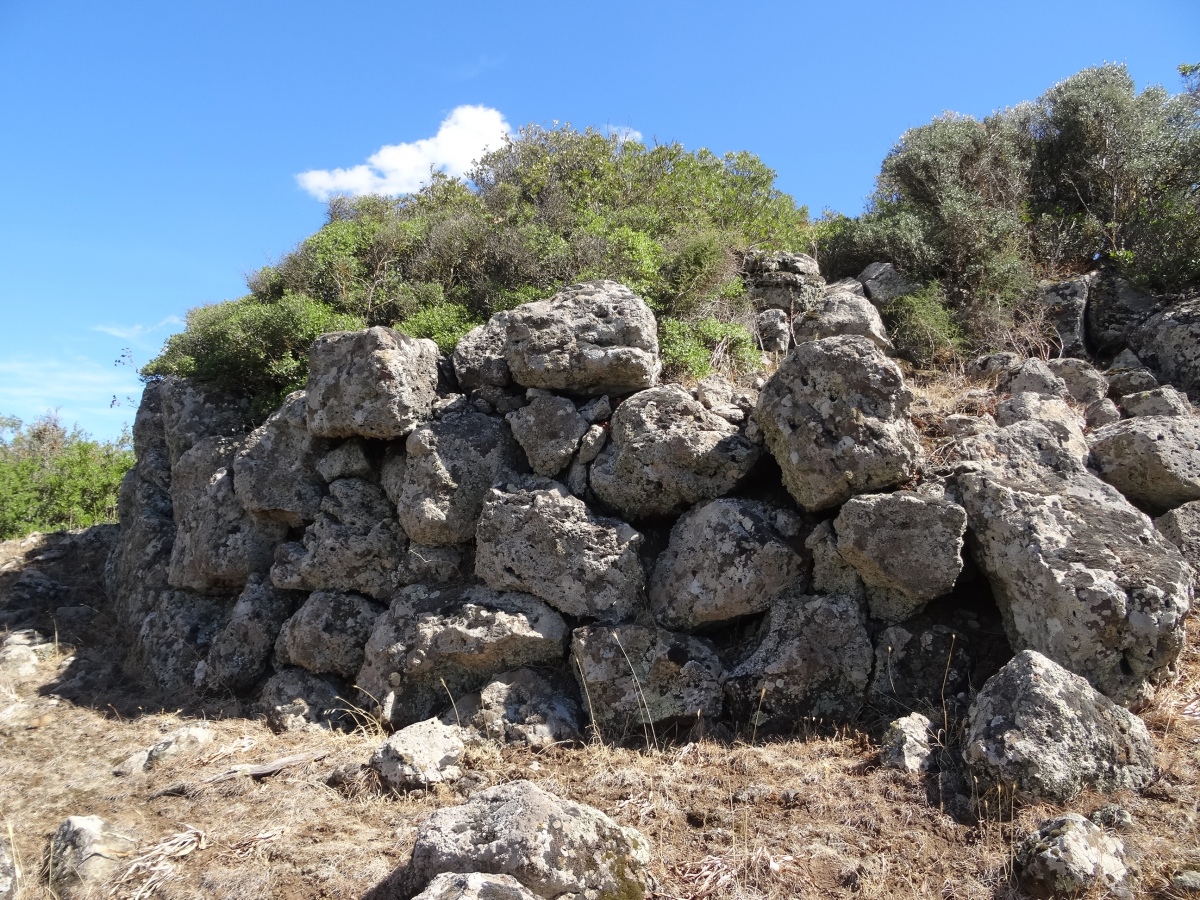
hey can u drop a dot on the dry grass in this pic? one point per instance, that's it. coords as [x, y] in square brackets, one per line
[807, 817]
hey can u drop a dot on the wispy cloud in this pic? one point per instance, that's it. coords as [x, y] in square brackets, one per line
[134, 332]
[402, 168]
[81, 389]
[623, 133]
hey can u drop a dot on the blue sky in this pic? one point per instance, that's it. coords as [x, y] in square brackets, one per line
[151, 151]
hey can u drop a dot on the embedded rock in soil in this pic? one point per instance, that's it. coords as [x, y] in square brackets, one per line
[1067, 857]
[355, 544]
[906, 548]
[1170, 341]
[835, 417]
[526, 707]
[327, 634]
[1154, 461]
[1048, 733]
[84, 852]
[377, 383]
[434, 645]
[240, 651]
[638, 678]
[841, 313]
[479, 358]
[1078, 573]
[812, 659]
[907, 744]
[534, 536]
[275, 471]
[553, 847]
[549, 430]
[666, 452]
[450, 464]
[474, 886]
[218, 545]
[590, 339]
[420, 755]
[726, 558]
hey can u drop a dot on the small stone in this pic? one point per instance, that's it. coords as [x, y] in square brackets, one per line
[1067, 856]
[421, 755]
[85, 851]
[907, 744]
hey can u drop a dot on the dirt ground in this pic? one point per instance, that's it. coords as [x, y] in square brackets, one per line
[811, 816]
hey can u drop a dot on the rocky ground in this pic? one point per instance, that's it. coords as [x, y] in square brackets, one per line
[814, 814]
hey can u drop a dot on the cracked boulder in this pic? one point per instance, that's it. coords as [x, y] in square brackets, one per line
[666, 452]
[835, 417]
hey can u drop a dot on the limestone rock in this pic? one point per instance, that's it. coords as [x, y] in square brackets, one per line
[1051, 734]
[453, 640]
[813, 659]
[1084, 383]
[84, 851]
[347, 460]
[474, 886]
[1101, 413]
[440, 484]
[906, 548]
[355, 544]
[959, 425]
[1170, 341]
[218, 545]
[637, 677]
[774, 331]
[883, 283]
[842, 313]
[1034, 377]
[1051, 412]
[1134, 379]
[1078, 573]
[1068, 856]
[781, 280]
[191, 412]
[549, 431]
[275, 471]
[1181, 526]
[926, 668]
[1153, 460]
[555, 848]
[525, 707]
[479, 358]
[1066, 303]
[846, 286]
[534, 536]
[1161, 401]
[376, 383]
[296, 700]
[238, 655]
[907, 744]
[591, 444]
[327, 634]
[726, 558]
[176, 635]
[835, 418]
[590, 339]
[422, 754]
[1115, 310]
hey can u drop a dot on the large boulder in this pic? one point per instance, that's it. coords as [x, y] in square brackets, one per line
[355, 544]
[376, 383]
[640, 679]
[1115, 310]
[479, 358]
[549, 430]
[883, 284]
[781, 280]
[138, 566]
[1078, 573]
[1170, 341]
[275, 471]
[192, 412]
[725, 559]
[667, 451]
[218, 545]
[906, 548]
[593, 338]
[813, 659]
[1153, 460]
[841, 313]
[1052, 412]
[834, 416]
[440, 482]
[1069, 856]
[525, 707]
[1047, 733]
[240, 651]
[1065, 303]
[556, 848]
[1083, 381]
[174, 636]
[533, 536]
[432, 646]
[327, 633]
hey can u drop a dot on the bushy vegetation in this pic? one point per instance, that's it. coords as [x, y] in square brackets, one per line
[552, 207]
[52, 478]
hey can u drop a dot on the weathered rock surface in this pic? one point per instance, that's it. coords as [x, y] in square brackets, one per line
[1129, 379]
[1066, 303]
[841, 313]
[327, 633]
[1051, 412]
[190, 413]
[780, 280]
[377, 383]
[813, 659]
[1115, 310]
[1068, 856]
[1101, 413]
[555, 848]
[9, 873]
[726, 558]
[218, 545]
[638, 679]
[906, 548]
[1154, 460]
[1170, 341]
[240, 651]
[666, 452]
[296, 700]
[925, 668]
[420, 755]
[479, 358]
[907, 744]
[593, 338]
[1078, 573]
[533, 536]
[1034, 377]
[774, 330]
[275, 471]
[1181, 526]
[347, 460]
[175, 635]
[883, 283]
[84, 851]
[474, 886]
[830, 573]
[524, 707]
[1049, 733]
[1161, 401]
[1083, 381]
[450, 464]
[960, 425]
[549, 430]
[835, 418]
[453, 640]
[355, 544]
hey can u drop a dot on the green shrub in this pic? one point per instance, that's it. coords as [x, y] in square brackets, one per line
[443, 323]
[922, 328]
[695, 348]
[52, 478]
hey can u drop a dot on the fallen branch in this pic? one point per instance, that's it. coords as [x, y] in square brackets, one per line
[248, 770]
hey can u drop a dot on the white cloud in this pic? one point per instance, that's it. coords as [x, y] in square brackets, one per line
[402, 168]
[80, 388]
[134, 332]
[624, 133]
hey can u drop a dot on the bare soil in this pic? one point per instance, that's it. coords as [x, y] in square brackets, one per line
[813, 815]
